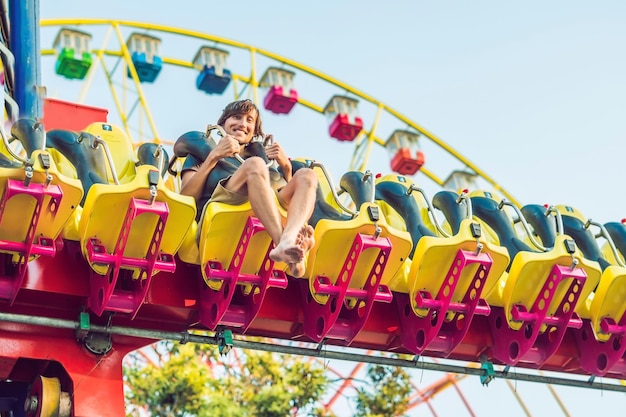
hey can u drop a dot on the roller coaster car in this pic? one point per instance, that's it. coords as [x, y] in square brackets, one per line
[537, 301]
[352, 263]
[446, 277]
[131, 225]
[601, 340]
[36, 202]
[233, 252]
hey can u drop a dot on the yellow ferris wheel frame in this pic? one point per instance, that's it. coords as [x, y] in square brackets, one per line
[364, 142]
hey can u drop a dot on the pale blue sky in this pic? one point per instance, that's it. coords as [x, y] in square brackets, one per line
[532, 92]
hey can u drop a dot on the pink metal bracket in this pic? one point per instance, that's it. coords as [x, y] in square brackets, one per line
[237, 309]
[528, 344]
[12, 277]
[597, 357]
[347, 309]
[437, 331]
[106, 293]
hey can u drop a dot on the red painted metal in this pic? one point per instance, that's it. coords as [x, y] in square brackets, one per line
[597, 358]
[59, 114]
[94, 382]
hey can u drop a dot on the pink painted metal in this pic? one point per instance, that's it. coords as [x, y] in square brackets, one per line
[107, 292]
[437, 331]
[530, 343]
[11, 282]
[347, 309]
[228, 307]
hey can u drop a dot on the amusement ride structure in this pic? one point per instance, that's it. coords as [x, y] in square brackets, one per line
[100, 254]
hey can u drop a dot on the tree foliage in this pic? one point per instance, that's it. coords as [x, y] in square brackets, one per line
[189, 381]
[388, 394]
[192, 380]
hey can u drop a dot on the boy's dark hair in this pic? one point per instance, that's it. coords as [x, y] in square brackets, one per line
[242, 107]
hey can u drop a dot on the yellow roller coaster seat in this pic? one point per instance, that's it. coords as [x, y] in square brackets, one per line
[66, 169]
[122, 151]
[105, 209]
[64, 166]
[393, 218]
[189, 251]
[333, 241]
[221, 227]
[609, 255]
[18, 210]
[434, 257]
[607, 302]
[529, 271]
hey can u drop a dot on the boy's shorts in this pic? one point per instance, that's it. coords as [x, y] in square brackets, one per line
[223, 195]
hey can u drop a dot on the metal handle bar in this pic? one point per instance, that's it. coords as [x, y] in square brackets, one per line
[314, 164]
[525, 224]
[603, 233]
[431, 212]
[99, 142]
[220, 129]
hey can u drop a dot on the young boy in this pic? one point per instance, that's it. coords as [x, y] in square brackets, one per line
[252, 182]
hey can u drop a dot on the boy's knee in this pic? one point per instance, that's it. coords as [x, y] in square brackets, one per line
[306, 177]
[255, 166]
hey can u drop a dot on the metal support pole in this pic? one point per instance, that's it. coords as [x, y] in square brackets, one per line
[24, 20]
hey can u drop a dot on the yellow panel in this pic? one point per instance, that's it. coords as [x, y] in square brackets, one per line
[221, 228]
[609, 255]
[529, 271]
[608, 300]
[19, 209]
[189, 251]
[63, 165]
[105, 209]
[121, 149]
[333, 240]
[434, 257]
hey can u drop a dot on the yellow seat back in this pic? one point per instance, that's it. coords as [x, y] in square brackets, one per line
[121, 149]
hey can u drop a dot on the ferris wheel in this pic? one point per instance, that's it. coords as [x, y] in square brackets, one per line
[163, 81]
[151, 72]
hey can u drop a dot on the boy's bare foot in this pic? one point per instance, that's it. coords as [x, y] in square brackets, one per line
[306, 241]
[305, 238]
[286, 253]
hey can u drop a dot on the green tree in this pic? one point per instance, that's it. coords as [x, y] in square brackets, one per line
[188, 380]
[387, 395]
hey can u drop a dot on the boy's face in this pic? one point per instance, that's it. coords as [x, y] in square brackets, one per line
[241, 126]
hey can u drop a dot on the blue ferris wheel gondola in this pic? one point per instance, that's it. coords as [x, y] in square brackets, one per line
[214, 76]
[147, 70]
[144, 55]
[209, 81]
